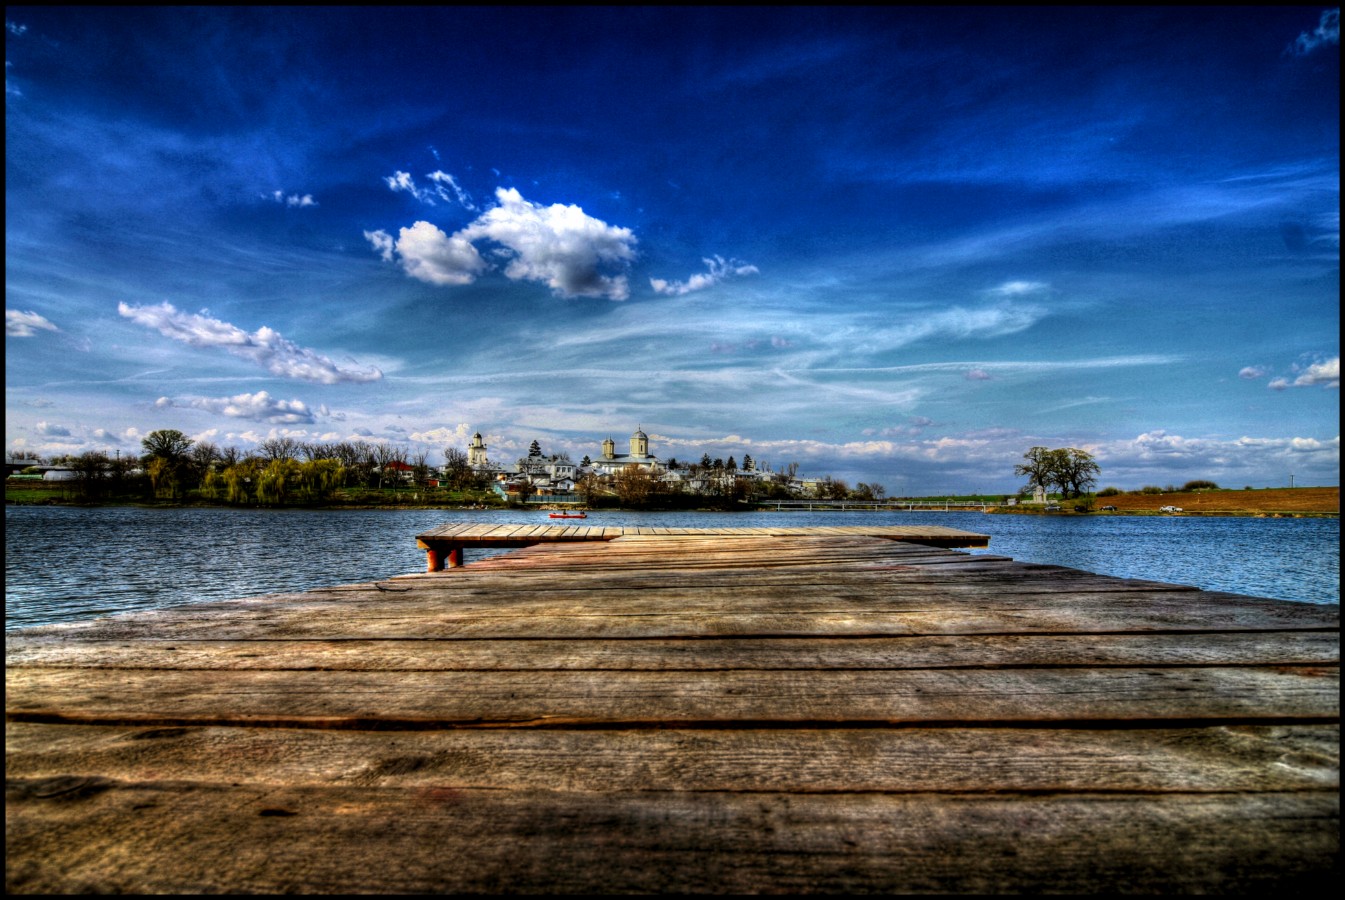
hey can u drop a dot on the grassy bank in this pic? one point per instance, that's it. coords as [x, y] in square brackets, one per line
[1305, 501]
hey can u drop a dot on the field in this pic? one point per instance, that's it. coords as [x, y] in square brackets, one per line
[1271, 501]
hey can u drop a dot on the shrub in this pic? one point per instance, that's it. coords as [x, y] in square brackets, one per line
[1109, 492]
[1151, 489]
[1200, 485]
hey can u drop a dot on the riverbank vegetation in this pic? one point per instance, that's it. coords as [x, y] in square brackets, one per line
[177, 471]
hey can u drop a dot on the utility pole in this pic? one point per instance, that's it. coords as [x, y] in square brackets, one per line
[1291, 479]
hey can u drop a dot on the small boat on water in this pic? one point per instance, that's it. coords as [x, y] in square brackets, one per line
[565, 515]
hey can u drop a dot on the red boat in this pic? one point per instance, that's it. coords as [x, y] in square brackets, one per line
[562, 515]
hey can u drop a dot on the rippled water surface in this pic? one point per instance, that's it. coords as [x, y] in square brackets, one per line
[66, 564]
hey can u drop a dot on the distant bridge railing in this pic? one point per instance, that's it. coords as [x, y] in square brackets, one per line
[890, 505]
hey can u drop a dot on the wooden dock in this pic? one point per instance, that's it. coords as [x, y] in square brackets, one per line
[736, 712]
[444, 545]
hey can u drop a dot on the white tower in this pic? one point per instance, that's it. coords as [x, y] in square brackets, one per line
[639, 444]
[476, 452]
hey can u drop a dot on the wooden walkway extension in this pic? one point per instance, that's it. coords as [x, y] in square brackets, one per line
[443, 546]
[712, 713]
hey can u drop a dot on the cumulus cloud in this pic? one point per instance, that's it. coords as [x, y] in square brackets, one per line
[293, 199]
[1326, 33]
[23, 324]
[1326, 373]
[1250, 372]
[558, 245]
[430, 255]
[48, 429]
[456, 437]
[717, 269]
[258, 407]
[264, 346]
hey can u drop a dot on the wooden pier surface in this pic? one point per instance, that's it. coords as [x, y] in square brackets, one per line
[704, 713]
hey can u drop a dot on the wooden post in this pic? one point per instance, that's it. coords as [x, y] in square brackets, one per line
[433, 561]
[455, 557]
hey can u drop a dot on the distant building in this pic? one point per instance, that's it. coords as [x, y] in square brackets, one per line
[476, 453]
[612, 462]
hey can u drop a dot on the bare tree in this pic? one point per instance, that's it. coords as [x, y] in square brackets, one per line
[279, 448]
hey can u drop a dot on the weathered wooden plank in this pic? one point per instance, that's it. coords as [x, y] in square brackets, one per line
[77, 835]
[418, 616]
[955, 651]
[737, 698]
[1175, 760]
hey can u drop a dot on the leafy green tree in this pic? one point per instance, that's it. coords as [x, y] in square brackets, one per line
[167, 443]
[534, 449]
[166, 461]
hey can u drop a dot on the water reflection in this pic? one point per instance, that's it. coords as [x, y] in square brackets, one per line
[64, 564]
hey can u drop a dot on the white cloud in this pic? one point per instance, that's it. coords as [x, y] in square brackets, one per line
[258, 407]
[382, 242]
[1251, 372]
[15, 28]
[402, 181]
[457, 437]
[558, 245]
[977, 375]
[444, 183]
[717, 268]
[47, 429]
[1326, 32]
[265, 346]
[430, 255]
[293, 199]
[22, 324]
[1325, 373]
[1019, 288]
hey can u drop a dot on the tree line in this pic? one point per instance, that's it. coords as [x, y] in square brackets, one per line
[276, 471]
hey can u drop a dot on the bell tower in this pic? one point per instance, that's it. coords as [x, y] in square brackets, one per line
[476, 452]
[639, 444]
[608, 449]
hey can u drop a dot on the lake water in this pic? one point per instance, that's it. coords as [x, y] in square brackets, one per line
[67, 564]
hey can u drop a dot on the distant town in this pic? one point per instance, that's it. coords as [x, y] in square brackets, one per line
[638, 472]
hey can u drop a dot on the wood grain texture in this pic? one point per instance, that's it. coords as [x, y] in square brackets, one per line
[758, 710]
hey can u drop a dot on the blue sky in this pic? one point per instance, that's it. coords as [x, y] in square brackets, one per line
[898, 246]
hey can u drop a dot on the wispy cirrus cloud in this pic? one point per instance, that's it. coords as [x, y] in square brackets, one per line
[717, 269]
[442, 185]
[1325, 34]
[20, 323]
[559, 245]
[258, 407]
[265, 346]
